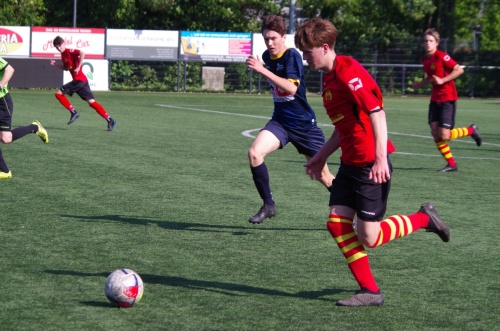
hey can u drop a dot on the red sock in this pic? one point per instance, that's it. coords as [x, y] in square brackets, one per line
[344, 234]
[64, 101]
[399, 226]
[99, 109]
[445, 151]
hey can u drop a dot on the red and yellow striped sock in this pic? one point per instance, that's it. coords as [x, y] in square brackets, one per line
[461, 132]
[399, 226]
[445, 151]
[344, 234]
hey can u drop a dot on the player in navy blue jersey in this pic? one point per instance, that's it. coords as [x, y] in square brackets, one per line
[293, 119]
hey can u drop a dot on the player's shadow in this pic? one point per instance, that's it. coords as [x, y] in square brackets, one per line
[230, 289]
[409, 168]
[236, 230]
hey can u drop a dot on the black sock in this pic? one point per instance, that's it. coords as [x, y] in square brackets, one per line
[261, 179]
[3, 165]
[24, 130]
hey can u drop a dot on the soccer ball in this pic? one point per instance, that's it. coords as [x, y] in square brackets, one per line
[124, 288]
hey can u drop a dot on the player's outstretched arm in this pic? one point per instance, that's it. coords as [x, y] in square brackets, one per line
[57, 65]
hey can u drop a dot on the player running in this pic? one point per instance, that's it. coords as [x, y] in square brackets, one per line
[353, 101]
[7, 135]
[441, 71]
[72, 60]
[293, 119]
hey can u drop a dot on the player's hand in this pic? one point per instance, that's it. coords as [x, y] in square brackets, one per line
[314, 168]
[253, 62]
[437, 80]
[52, 62]
[380, 173]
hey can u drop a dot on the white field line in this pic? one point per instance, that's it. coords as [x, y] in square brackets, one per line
[249, 133]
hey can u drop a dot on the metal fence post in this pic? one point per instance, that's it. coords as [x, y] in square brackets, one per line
[185, 75]
[258, 86]
[178, 76]
[250, 82]
[403, 71]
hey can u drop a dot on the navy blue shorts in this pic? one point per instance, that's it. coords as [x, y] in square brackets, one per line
[353, 189]
[307, 142]
[80, 88]
[6, 110]
[443, 113]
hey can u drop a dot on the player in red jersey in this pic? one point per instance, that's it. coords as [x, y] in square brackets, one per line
[353, 101]
[440, 71]
[72, 60]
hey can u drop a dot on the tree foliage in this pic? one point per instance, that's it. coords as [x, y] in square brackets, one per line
[22, 12]
[207, 15]
[383, 20]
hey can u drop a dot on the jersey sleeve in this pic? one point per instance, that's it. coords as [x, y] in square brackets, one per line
[362, 88]
[3, 64]
[448, 62]
[294, 66]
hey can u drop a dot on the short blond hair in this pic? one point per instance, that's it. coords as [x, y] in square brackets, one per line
[433, 33]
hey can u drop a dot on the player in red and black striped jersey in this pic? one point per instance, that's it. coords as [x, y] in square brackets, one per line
[72, 61]
[354, 103]
[441, 71]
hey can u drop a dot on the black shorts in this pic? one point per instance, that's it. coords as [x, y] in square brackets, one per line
[307, 142]
[443, 113]
[6, 110]
[80, 88]
[353, 189]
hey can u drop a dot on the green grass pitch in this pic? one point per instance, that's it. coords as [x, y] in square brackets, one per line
[168, 194]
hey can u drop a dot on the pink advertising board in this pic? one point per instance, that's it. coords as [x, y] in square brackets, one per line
[89, 40]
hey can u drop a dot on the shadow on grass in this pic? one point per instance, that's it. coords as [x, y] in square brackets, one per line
[185, 226]
[230, 289]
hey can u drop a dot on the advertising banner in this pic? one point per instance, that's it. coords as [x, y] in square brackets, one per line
[88, 40]
[14, 41]
[215, 46]
[96, 72]
[152, 45]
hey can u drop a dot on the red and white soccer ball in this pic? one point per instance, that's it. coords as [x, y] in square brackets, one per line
[124, 288]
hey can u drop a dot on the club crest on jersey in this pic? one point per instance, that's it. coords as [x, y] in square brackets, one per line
[446, 58]
[327, 95]
[355, 84]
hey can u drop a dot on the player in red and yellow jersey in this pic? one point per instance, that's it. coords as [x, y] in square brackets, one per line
[354, 103]
[441, 71]
[72, 61]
